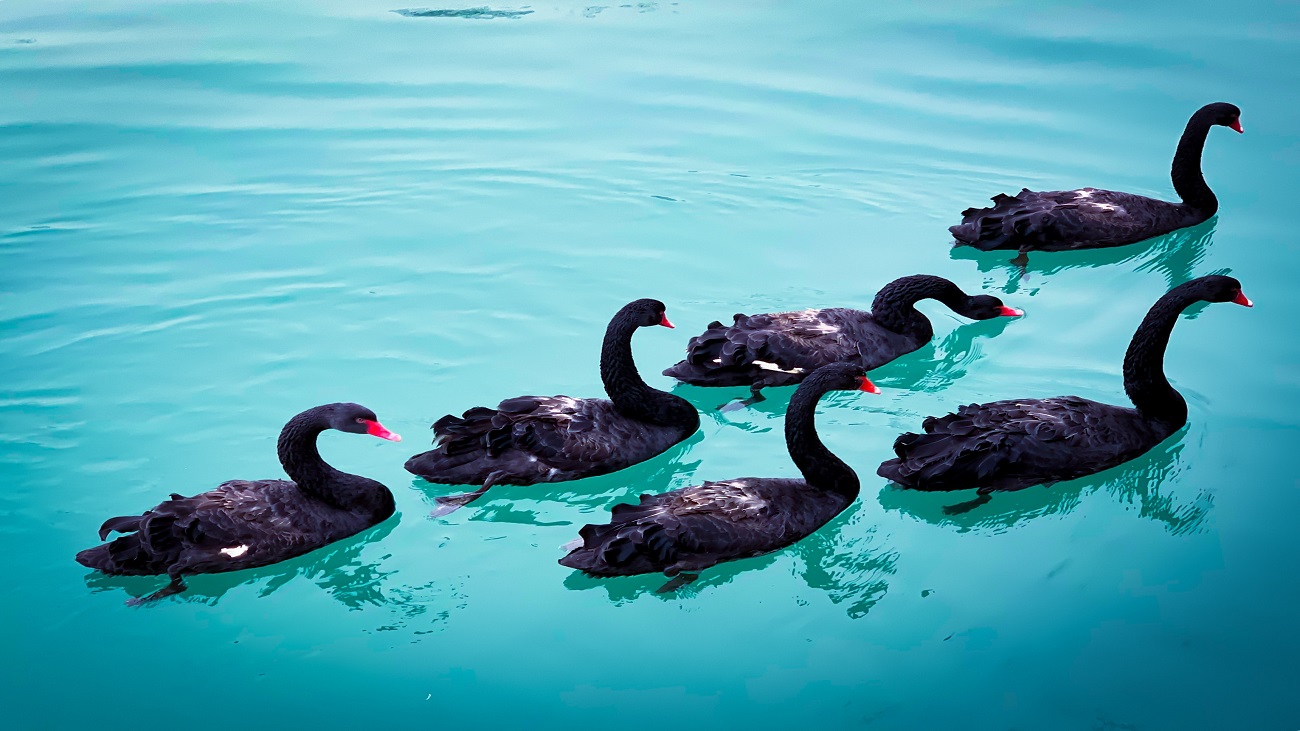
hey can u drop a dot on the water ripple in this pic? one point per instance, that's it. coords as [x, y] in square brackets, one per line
[483, 13]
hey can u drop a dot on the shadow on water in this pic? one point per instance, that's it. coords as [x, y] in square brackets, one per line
[337, 568]
[500, 504]
[849, 566]
[1144, 483]
[1174, 256]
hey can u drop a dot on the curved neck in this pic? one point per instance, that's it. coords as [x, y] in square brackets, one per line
[1189, 182]
[301, 460]
[629, 393]
[894, 305]
[1144, 363]
[821, 469]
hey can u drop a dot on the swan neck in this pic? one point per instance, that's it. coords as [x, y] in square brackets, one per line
[821, 469]
[300, 458]
[629, 393]
[1144, 363]
[1189, 182]
[895, 304]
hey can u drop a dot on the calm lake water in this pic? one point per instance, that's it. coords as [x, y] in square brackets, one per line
[215, 214]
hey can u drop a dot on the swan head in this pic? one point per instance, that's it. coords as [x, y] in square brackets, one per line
[646, 313]
[841, 377]
[1224, 115]
[1219, 288]
[987, 307]
[357, 419]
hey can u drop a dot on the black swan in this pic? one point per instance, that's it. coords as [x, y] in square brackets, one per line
[244, 524]
[1064, 220]
[531, 439]
[1010, 445]
[779, 349]
[685, 531]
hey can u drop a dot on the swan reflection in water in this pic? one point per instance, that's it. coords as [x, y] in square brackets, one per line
[1148, 483]
[844, 559]
[1175, 256]
[940, 364]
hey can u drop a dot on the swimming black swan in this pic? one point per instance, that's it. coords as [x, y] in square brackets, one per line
[531, 439]
[779, 349]
[687, 530]
[243, 524]
[1063, 220]
[1010, 445]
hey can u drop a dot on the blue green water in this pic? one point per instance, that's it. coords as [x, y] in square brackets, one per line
[216, 214]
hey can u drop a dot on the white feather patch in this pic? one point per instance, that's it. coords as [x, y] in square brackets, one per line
[235, 551]
[765, 365]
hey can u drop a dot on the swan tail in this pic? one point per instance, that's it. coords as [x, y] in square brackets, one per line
[460, 442]
[478, 430]
[97, 558]
[150, 548]
[942, 460]
[719, 356]
[631, 543]
[921, 459]
[465, 468]
[1022, 221]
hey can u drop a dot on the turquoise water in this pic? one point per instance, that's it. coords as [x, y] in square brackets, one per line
[214, 215]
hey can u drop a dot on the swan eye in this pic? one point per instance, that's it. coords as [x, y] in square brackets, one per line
[360, 420]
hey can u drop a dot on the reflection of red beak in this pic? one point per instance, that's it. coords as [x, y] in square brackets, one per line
[1236, 124]
[1242, 299]
[865, 384]
[663, 320]
[1005, 311]
[375, 429]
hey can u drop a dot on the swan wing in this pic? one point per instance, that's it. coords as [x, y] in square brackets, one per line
[1087, 217]
[794, 342]
[1003, 445]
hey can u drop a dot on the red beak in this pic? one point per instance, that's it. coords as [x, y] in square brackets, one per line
[1236, 124]
[663, 320]
[865, 384]
[375, 429]
[1005, 311]
[1242, 299]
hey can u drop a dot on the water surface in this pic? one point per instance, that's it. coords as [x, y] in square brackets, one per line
[216, 214]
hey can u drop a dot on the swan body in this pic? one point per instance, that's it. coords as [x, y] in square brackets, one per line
[684, 531]
[537, 439]
[245, 524]
[531, 439]
[1013, 444]
[1091, 218]
[1010, 445]
[782, 348]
